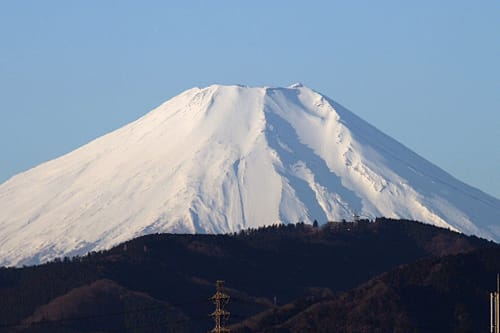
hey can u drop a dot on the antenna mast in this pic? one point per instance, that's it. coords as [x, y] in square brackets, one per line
[220, 315]
[355, 217]
[495, 309]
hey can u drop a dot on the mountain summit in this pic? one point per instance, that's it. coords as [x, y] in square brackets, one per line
[223, 158]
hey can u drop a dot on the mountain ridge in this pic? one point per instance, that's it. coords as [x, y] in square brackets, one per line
[223, 158]
[133, 284]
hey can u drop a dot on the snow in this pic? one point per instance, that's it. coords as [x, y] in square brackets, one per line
[223, 158]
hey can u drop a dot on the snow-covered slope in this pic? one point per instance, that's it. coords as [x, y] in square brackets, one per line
[223, 158]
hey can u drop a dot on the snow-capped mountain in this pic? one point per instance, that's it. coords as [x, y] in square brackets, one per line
[223, 158]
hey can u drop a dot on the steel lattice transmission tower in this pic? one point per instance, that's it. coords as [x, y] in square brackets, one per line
[220, 315]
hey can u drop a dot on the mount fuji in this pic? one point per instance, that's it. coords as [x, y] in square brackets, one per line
[224, 158]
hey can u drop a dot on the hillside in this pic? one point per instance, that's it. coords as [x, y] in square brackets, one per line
[163, 281]
[445, 294]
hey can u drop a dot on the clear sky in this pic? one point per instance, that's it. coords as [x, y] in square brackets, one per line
[425, 72]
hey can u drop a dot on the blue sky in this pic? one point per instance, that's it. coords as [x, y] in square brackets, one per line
[426, 73]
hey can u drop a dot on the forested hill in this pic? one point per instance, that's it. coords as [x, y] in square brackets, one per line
[161, 283]
[440, 294]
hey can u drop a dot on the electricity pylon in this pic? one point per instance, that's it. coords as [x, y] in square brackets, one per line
[220, 315]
